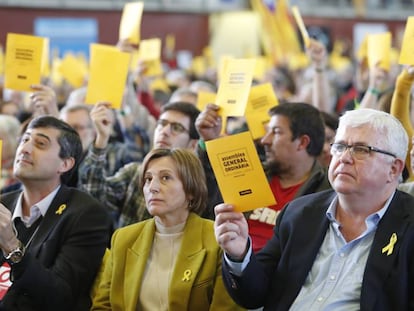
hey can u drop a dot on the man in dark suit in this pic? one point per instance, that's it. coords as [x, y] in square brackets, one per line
[350, 248]
[53, 237]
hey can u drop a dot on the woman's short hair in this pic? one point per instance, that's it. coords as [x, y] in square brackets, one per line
[190, 171]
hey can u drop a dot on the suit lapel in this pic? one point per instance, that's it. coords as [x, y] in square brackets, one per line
[315, 223]
[189, 261]
[57, 209]
[380, 261]
[135, 264]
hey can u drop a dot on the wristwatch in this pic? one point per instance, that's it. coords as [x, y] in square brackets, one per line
[16, 255]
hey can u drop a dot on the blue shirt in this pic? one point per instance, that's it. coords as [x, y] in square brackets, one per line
[335, 280]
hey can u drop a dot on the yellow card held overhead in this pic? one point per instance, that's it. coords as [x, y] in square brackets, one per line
[261, 99]
[407, 47]
[204, 98]
[150, 49]
[130, 26]
[379, 50]
[73, 70]
[301, 25]
[24, 54]
[107, 82]
[234, 87]
[239, 173]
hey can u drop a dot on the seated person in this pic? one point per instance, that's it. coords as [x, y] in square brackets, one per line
[171, 261]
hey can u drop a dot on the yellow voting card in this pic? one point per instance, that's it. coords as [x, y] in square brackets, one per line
[170, 42]
[261, 99]
[107, 81]
[239, 173]
[204, 98]
[1, 60]
[24, 54]
[45, 69]
[153, 68]
[379, 50]
[150, 49]
[73, 70]
[301, 25]
[130, 26]
[234, 87]
[199, 66]
[407, 47]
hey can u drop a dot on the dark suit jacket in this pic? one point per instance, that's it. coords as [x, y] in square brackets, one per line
[275, 275]
[61, 262]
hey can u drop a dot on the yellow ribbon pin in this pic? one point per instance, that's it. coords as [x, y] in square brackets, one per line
[186, 276]
[60, 210]
[390, 247]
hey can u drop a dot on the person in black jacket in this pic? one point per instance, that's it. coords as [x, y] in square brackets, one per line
[350, 248]
[53, 237]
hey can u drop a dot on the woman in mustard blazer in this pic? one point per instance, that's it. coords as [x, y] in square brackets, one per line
[172, 261]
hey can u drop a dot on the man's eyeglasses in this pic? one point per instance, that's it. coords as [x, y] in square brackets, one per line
[359, 152]
[176, 128]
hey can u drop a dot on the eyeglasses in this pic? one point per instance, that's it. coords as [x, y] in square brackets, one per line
[359, 152]
[175, 127]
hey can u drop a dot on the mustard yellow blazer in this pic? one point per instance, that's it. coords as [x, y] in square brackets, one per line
[121, 279]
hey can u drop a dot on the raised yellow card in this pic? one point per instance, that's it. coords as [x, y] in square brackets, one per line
[170, 42]
[107, 81]
[239, 173]
[153, 68]
[199, 66]
[150, 49]
[23, 61]
[130, 26]
[301, 25]
[45, 69]
[73, 70]
[1, 60]
[379, 50]
[204, 98]
[261, 99]
[407, 46]
[234, 87]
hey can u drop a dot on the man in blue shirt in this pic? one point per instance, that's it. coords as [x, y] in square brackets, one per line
[350, 248]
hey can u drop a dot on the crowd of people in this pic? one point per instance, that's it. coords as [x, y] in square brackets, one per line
[119, 209]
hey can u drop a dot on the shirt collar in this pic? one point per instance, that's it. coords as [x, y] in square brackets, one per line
[40, 208]
[373, 218]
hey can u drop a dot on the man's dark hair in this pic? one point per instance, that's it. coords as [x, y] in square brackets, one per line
[68, 140]
[331, 120]
[304, 119]
[189, 110]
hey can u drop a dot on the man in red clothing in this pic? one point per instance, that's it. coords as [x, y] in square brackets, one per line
[293, 141]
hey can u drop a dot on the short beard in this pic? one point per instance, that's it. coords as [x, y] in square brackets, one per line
[274, 168]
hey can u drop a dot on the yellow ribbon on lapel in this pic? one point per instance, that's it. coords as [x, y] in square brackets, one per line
[60, 209]
[186, 276]
[390, 247]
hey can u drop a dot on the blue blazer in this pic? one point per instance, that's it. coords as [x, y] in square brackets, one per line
[274, 276]
[64, 256]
